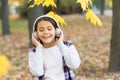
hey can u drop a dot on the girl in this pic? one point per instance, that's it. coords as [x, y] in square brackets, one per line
[51, 58]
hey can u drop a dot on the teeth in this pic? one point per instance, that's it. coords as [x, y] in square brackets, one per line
[47, 37]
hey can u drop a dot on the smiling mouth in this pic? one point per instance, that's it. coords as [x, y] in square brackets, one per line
[46, 37]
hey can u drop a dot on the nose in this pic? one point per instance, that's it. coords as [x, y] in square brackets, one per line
[46, 31]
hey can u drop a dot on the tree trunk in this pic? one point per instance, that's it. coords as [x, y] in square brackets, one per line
[101, 6]
[58, 2]
[4, 17]
[33, 13]
[114, 64]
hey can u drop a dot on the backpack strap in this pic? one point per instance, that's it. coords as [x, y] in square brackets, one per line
[69, 74]
[68, 43]
[41, 77]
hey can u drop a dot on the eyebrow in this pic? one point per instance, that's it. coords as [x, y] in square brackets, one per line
[43, 27]
[49, 27]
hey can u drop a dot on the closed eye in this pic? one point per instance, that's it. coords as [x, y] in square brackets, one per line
[49, 29]
[41, 30]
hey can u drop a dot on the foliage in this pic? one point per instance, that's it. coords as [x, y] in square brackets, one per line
[68, 7]
[89, 14]
[83, 3]
[57, 17]
[44, 3]
[93, 18]
[4, 65]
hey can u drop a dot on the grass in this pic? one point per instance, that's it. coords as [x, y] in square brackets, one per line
[17, 25]
[0, 26]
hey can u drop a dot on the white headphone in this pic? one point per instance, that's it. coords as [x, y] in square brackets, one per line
[57, 31]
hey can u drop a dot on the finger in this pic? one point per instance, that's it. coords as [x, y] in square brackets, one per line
[62, 36]
[32, 36]
[61, 33]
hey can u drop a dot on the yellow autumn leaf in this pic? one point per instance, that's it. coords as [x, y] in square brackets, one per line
[36, 2]
[4, 65]
[29, 1]
[49, 2]
[84, 3]
[31, 6]
[58, 18]
[93, 18]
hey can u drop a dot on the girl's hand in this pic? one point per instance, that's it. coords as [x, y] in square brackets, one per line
[35, 41]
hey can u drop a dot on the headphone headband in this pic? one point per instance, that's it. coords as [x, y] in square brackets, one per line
[43, 17]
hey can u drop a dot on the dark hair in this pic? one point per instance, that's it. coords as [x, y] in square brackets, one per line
[52, 21]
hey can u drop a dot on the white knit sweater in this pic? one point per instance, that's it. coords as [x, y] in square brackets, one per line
[48, 61]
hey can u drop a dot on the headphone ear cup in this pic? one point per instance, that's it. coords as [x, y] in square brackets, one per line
[57, 33]
[35, 35]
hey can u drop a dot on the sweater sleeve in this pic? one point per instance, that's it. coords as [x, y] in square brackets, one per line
[70, 54]
[35, 62]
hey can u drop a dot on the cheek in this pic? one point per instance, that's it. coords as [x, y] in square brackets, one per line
[40, 34]
[53, 32]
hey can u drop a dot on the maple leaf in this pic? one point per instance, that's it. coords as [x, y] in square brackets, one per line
[36, 2]
[31, 6]
[29, 1]
[4, 65]
[84, 3]
[57, 17]
[93, 18]
[49, 2]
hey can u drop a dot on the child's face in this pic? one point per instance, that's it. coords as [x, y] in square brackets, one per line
[46, 32]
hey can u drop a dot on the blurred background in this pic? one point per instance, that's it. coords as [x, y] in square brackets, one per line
[98, 47]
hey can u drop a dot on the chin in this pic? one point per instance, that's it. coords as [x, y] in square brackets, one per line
[47, 42]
